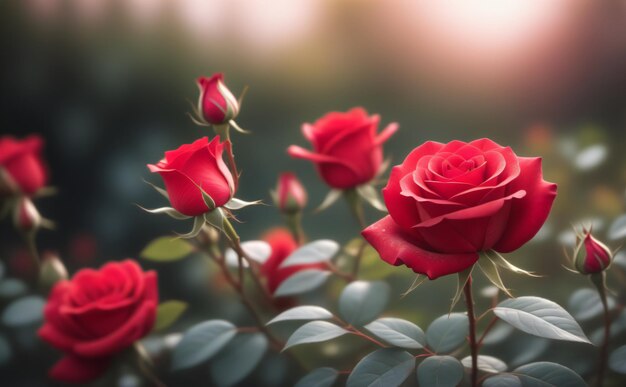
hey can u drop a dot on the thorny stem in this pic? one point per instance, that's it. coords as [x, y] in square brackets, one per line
[491, 324]
[146, 366]
[335, 270]
[598, 280]
[356, 205]
[29, 238]
[469, 301]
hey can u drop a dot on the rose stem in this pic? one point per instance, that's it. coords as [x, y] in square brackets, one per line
[145, 365]
[356, 205]
[469, 301]
[598, 280]
[294, 224]
[32, 249]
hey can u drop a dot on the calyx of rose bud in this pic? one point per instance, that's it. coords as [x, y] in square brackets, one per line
[590, 255]
[290, 196]
[216, 104]
[7, 184]
[52, 271]
[26, 218]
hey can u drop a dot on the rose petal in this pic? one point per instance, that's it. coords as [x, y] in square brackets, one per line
[184, 195]
[177, 157]
[396, 248]
[74, 369]
[527, 215]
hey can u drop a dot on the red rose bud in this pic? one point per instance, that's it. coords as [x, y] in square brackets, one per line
[96, 315]
[591, 255]
[193, 169]
[290, 195]
[52, 271]
[282, 244]
[217, 105]
[347, 151]
[21, 167]
[448, 202]
[26, 218]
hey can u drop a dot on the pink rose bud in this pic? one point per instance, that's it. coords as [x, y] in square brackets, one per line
[591, 256]
[52, 271]
[217, 105]
[26, 218]
[290, 195]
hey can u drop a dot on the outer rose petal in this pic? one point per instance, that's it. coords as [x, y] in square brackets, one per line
[335, 172]
[528, 214]
[185, 196]
[395, 247]
[74, 369]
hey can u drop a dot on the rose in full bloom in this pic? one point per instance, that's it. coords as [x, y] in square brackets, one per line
[347, 151]
[448, 202]
[21, 167]
[290, 195]
[193, 168]
[216, 104]
[283, 244]
[591, 256]
[96, 315]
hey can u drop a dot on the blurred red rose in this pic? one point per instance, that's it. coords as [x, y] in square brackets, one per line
[290, 194]
[283, 245]
[21, 167]
[195, 167]
[216, 104]
[96, 315]
[448, 202]
[347, 150]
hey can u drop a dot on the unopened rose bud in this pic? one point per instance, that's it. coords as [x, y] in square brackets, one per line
[290, 195]
[52, 271]
[217, 105]
[26, 218]
[591, 256]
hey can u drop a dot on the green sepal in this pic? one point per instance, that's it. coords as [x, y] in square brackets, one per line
[462, 279]
[198, 222]
[370, 195]
[490, 270]
[332, 196]
[166, 210]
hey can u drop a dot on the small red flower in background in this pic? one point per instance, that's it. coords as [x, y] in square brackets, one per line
[193, 168]
[290, 195]
[97, 314]
[347, 150]
[216, 104]
[283, 245]
[21, 167]
[591, 256]
[448, 202]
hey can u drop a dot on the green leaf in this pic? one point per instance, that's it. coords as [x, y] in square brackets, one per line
[361, 301]
[398, 332]
[238, 359]
[165, 249]
[258, 251]
[447, 332]
[503, 380]
[305, 312]
[585, 304]
[387, 367]
[440, 371]
[24, 311]
[167, 313]
[202, 342]
[540, 317]
[301, 282]
[320, 377]
[489, 364]
[314, 332]
[314, 252]
[617, 360]
[546, 374]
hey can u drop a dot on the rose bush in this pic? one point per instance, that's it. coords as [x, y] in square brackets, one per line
[347, 150]
[21, 167]
[96, 315]
[193, 168]
[448, 202]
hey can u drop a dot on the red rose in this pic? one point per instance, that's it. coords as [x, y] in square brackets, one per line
[217, 105]
[193, 168]
[591, 256]
[290, 195]
[283, 245]
[347, 150]
[96, 315]
[448, 202]
[21, 167]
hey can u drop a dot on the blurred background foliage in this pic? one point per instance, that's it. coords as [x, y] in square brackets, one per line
[107, 83]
